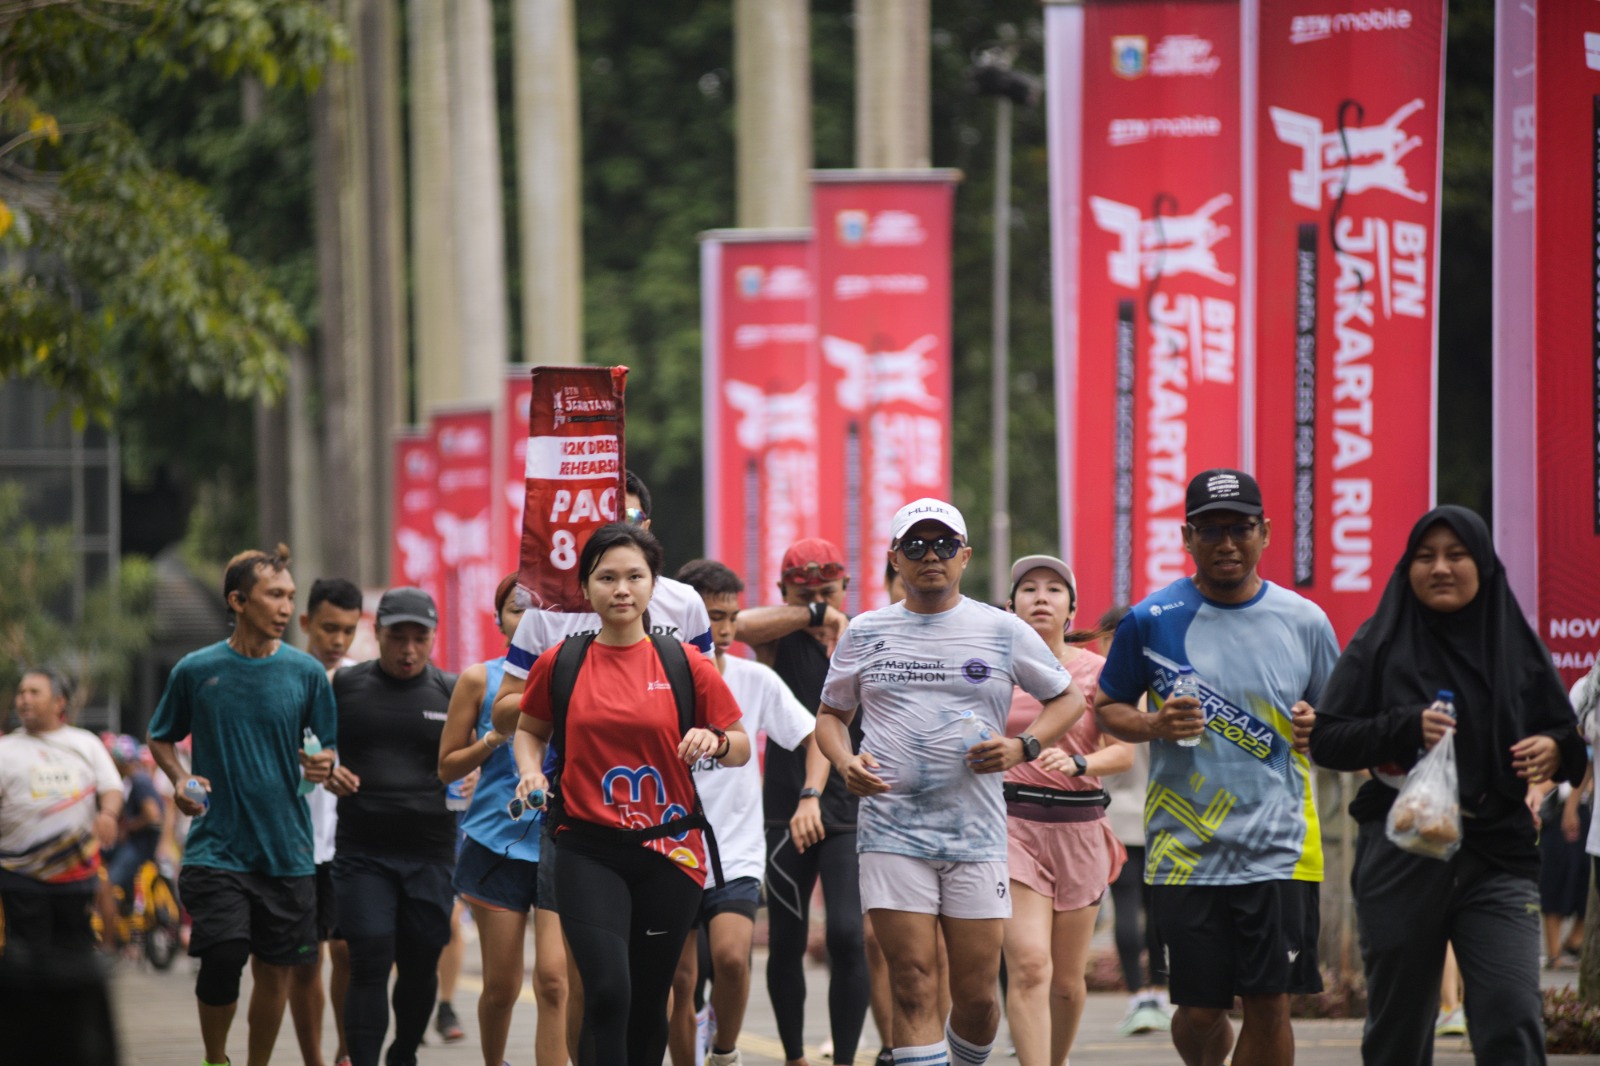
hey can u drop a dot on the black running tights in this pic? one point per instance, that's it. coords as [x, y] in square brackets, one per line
[366, 1007]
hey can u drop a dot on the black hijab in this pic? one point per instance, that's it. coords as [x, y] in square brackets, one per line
[1506, 687]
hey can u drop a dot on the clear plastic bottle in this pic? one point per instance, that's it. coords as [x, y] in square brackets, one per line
[311, 746]
[1445, 701]
[455, 796]
[196, 792]
[974, 730]
[1188, 684]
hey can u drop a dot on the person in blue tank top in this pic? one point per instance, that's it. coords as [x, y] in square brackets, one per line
[497, 870]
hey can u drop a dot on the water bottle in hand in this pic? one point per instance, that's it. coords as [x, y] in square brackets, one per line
[311, 746]
[974, 730]
[197, 793]
[455, 795]
[1445, 701]
[1188, 684]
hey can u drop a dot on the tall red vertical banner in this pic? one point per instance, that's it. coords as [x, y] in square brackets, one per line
[1348, 124]
[462, 442]
[760, 404]
[573, 476]
[511, 461]
[1547, 318]
[1148, 211]
[414, 543]
[881, 260]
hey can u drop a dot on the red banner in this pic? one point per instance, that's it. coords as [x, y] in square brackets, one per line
[461, 518]
[574, 476]
[1347, 134]
[1146, 156]
[414, 543]
[511, 464]
[881, 258]
[1547, 319]
[760, 405]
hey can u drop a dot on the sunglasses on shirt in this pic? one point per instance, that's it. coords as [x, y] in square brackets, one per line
[914, 548]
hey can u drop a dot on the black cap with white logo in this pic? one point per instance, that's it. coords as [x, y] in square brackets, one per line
[1222, 490]
[407, 605]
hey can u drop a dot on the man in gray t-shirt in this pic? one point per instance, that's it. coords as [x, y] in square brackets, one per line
[931, 676]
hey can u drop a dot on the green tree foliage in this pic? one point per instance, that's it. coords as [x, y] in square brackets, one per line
[117, 275]
[99, 651]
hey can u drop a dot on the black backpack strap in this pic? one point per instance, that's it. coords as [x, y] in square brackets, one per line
[563, 679]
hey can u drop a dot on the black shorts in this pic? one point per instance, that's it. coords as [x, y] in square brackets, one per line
[1221, 941]
[742, 895]
[385, 897]
[327, 904]
[276, 915]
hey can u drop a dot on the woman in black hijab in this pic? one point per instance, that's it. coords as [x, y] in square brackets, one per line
[1448, 620]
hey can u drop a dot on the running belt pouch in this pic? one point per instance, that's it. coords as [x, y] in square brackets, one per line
[680, 676]
[1055, 797]
[1425, 818]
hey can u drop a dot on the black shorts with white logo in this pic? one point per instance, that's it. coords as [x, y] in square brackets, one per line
[276, 915]
[1220, 941]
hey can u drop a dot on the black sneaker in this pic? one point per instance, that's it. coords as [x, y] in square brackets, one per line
[448, 1025]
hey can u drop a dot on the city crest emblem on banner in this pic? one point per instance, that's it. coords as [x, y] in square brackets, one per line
[749, 279]
[1130, 56]
[852, 226]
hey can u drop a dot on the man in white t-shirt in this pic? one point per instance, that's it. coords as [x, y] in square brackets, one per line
[60, 803]
[932, 677]
[732, 800]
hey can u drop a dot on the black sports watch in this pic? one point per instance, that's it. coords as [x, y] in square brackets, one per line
[810, 793]
[819, 613]
[1082, 764]
[1030, 747]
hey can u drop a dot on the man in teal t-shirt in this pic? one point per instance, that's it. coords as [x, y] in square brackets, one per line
[248, 876]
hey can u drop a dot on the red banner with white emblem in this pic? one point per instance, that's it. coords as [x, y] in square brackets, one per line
[511, 462]
[881, 255]
[760, 405]
[413, 541]
[1547, 319]
[573, 476]
[1148, 212]
[1347, 145]
[461, 520]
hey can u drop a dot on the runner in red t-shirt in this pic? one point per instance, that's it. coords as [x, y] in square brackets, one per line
[626, 907]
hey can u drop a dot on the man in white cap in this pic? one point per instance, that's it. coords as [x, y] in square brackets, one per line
[932, 677]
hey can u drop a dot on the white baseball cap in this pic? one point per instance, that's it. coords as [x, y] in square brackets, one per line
[927, 509]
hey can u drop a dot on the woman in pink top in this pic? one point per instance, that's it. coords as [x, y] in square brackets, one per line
[1061, 849]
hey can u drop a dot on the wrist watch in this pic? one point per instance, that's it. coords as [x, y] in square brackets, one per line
[1082, 764]
[819, 613]
[726, 745]
[810, 793]
[1030, 747]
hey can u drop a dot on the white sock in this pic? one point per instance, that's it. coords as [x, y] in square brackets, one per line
[966, 1052]
[926, 1055]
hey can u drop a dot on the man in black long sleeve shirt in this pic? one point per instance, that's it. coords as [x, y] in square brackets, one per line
[396, 839]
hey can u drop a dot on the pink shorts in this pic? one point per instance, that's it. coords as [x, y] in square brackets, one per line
[1071, 863]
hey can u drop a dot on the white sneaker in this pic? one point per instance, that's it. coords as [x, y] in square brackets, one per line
[1451, 1023]
[732, 1058]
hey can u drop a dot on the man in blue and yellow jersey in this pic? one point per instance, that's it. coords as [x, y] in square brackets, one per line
[1233, 846]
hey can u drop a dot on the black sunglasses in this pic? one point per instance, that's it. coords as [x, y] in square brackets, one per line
[915, 548]
[1238, 531]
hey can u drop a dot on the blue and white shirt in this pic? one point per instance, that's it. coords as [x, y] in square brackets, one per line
[912, 675]
[1238, 808]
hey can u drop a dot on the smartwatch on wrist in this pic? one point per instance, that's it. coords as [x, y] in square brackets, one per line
[810, 793]
[726, 745]
[1030, 747]
[1082, 764]
[819, 613]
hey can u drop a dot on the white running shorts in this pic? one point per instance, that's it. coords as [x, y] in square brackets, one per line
[931, 886]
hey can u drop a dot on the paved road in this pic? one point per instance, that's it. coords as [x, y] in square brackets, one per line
[158, 1028]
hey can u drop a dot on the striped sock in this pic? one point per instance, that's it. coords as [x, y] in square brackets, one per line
[926, 1055]
[965, 1052]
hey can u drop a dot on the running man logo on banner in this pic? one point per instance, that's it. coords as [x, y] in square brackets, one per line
[1147, 187]
[575, 476]
[461, 526]
[1348, 170]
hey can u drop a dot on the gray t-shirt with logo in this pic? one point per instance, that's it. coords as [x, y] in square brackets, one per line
[911, 676]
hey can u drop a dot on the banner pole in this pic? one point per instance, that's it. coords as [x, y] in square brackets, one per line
[1000, 360]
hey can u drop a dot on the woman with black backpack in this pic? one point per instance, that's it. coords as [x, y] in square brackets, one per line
[633, 840]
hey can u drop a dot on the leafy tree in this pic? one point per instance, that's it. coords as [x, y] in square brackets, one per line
[99, 650]
[115, 273]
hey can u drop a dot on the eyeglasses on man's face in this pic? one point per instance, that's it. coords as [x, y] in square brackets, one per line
[914, 548]
[1238, 532]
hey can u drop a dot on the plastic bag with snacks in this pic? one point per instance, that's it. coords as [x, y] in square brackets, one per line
[1426, 817]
